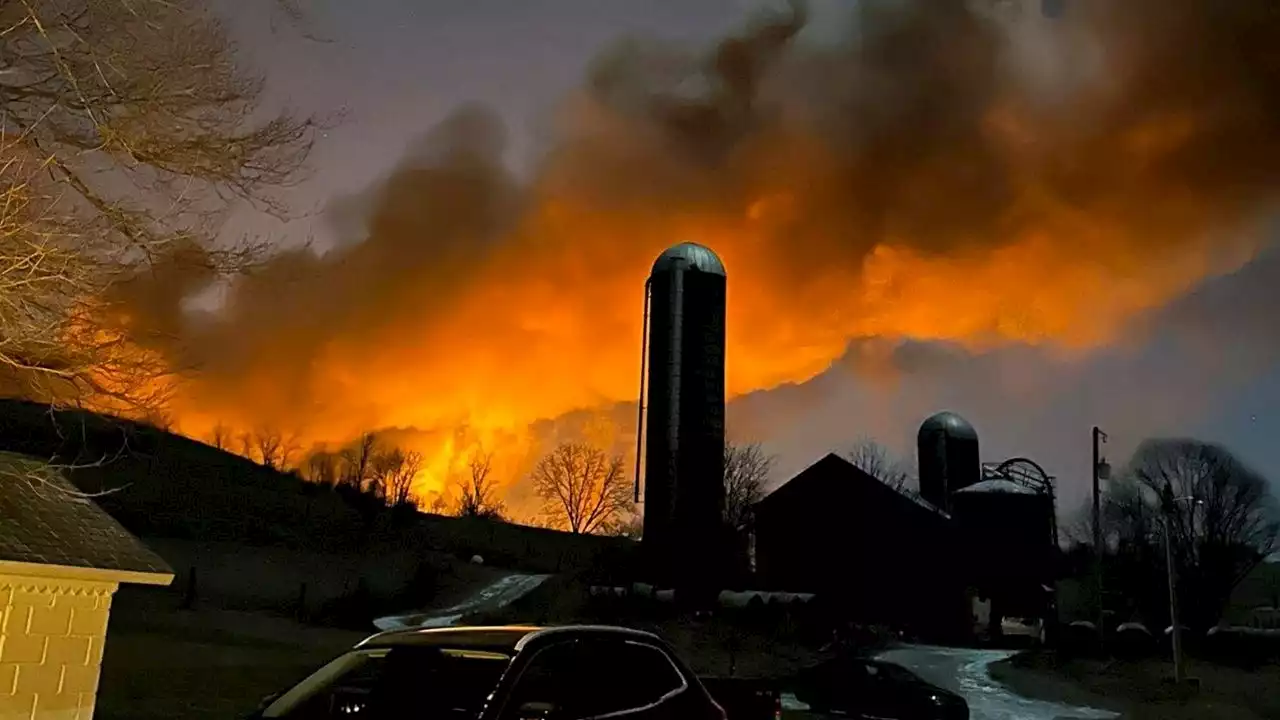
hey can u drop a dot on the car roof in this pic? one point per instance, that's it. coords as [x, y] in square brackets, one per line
[508, 639]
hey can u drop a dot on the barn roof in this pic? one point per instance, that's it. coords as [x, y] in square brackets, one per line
[816, 480]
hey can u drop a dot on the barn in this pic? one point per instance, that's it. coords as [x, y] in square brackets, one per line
[976, 531]
[878, 553]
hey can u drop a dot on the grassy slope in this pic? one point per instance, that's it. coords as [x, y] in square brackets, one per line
[167, 485]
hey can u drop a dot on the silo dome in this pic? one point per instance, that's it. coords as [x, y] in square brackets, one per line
[692, 256]
[948, 457]
[949, 423]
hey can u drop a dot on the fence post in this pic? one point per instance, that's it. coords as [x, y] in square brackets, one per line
[189, 592]
[301, 611]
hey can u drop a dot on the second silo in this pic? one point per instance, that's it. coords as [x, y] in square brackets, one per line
[1007, 532]
[947, 453]
[684, 450]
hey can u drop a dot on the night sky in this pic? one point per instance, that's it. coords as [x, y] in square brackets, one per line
[397, 67]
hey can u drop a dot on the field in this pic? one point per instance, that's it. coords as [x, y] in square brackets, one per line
[162, 663]
[1139, 691]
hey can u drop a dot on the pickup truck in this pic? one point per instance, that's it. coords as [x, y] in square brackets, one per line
[514, 673]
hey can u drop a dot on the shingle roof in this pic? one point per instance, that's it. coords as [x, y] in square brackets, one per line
[46, 522]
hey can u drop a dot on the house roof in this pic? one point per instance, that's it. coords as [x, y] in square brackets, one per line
[832, 465]
[45, 521]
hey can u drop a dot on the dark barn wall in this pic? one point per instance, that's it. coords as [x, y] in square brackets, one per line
[881, 556]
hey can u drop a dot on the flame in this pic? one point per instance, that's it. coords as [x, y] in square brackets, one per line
[562, 335]
[477, 311]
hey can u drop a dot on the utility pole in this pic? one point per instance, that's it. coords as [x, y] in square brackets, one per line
[1167, 503]
[1174, 623]
[1101, 470]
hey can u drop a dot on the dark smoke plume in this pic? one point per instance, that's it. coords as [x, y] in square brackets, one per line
[1071, 174]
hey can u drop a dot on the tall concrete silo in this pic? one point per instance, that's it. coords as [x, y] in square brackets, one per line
[947, 453]
[684, 432]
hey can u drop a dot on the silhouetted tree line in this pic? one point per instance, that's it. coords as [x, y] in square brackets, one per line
[583, 488]
[367, 471]
[1217, 514]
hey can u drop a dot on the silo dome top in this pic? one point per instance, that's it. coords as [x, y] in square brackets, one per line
[692, 255]
[951, 424]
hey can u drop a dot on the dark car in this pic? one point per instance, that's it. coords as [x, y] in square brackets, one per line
[877, 690]
[501, 673]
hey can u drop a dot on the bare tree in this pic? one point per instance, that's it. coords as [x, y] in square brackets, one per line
[220, 437]
[746, 470]
[875, 460]
[1220, 518]
[394, 472]
[248, 446]
[129, 127]
[267, 446]
[357, 470]
[273, 447]
[322, 469]
[159, 418]
[439, 504]
[477, 492]
[583, 489]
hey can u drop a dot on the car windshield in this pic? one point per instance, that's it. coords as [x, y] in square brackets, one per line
[386, 682]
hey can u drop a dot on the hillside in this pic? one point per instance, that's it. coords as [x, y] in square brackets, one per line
[160, 484]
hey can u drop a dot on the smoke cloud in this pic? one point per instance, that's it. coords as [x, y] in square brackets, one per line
[952, 177]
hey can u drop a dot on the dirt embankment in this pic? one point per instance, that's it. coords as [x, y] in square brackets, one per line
[1140, 689]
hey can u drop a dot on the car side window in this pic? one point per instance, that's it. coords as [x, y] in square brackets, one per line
[579, 680]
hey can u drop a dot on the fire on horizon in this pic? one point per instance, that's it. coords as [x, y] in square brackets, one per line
[1012, 180]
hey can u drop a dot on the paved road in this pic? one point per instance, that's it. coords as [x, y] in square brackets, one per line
[965, 671]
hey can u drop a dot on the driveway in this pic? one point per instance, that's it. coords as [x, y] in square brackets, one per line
[964, 671]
